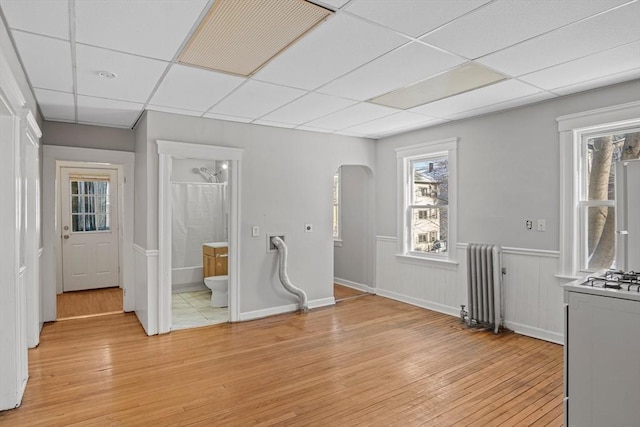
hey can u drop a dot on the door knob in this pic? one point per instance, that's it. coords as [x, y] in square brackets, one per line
[66, 236]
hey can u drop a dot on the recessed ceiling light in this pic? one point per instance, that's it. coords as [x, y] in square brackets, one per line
[107, 74]
[462, 79]
[240, 37]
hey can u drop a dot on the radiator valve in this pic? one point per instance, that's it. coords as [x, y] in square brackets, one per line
[463, 313]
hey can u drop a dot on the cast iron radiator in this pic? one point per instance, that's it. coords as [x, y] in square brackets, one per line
[484, 281]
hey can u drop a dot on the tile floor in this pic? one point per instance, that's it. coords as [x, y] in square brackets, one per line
[192, 309]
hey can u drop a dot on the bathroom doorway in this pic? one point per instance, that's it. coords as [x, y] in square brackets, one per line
[198, 218]
[199, 242]
[353, 232]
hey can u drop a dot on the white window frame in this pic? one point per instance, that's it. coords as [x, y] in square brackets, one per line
[572, 130]
[337, 240]
[404, 157]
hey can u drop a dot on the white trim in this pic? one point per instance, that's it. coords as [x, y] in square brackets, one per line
[289, 308]
[440, 308]
[427, 261]
[145, 252]
[538, 333]
[354, 285]
[9, 86]
[404, 156]
[337, 243]
[615, 113]
[55, 157]
[386, 239]
[32, 126]
[168, 150]
[571, 129]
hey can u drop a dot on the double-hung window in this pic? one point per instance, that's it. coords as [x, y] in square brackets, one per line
[591, 143]
[427, 202]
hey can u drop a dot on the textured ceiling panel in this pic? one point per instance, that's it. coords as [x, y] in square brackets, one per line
[412, 17]
[352, 116]
[47, 61]
[506, 22]
[307, 108]
[108, 112]
[239, 37]
[194, 89]
[49, 17]
[155, 29]
[56, 105]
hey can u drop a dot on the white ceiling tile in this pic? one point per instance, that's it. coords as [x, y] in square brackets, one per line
[255, 99]
[273, 124]
[108, 112]
[174, 110]
[193, 88]
[227, 118]
[389, 124]
[413, 17]
[314, 129]
[391, 72]
[149, 28]
[46, 60]
[308, 107]
[56, 105]
[352, 116]
[332, 49]
[600, 82]
[499, 92]
[506, 22]
[136, 76]
[332, 4]
[613, 61]
[605, 31]
[512, 103]
[49, 17]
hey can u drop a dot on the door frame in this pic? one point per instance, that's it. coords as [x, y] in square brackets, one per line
[65, 195]
[56, 157]
[167, 151]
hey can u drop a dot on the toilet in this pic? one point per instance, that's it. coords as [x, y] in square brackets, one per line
[219, 286]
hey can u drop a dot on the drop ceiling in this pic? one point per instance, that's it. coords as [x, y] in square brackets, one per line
[323, 82]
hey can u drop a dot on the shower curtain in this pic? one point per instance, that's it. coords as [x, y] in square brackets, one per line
[199, 215]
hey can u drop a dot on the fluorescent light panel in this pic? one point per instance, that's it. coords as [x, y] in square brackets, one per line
[462, 79]
[241, 36]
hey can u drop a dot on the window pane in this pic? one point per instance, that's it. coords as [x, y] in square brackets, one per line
[601, 237]
[74, 187]
[429, 232]
[77, 222]
[602, 153]
[74, 204]
[430, 181]
[102, 222]
[90, 222]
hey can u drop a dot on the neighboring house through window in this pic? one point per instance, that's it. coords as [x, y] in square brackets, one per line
[427, 184]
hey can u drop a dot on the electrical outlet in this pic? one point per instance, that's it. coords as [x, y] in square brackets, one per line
[255, 231]
[542, 226]
[528, 224]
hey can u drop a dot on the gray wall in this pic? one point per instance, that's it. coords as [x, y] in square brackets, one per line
[353, 261]
[86, 136]
[286, 183]
[508, 169]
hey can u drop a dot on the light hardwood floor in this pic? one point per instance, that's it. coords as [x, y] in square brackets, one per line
[344, 292]
[367, 361]
[94, 302]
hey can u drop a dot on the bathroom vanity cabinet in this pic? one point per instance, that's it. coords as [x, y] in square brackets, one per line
[214, 260]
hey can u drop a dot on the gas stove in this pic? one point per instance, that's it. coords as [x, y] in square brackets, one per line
[610, 283]
[618, 280]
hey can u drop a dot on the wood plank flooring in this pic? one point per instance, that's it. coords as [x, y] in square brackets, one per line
[367, 361]
[93, 302]
[343, 292]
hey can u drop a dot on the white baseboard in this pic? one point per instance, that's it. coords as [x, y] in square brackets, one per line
[532, 332]
[354, 285]
[289, 308]
[177, 288]
[440, 308]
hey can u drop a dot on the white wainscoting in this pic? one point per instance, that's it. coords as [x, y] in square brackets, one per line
[533, 296]
[146, 288]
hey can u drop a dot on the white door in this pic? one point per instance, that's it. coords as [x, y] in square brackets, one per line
[89, 210]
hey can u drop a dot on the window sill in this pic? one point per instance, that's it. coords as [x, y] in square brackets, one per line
[428, 261]
[337, 243]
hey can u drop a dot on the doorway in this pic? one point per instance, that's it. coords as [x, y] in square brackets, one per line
[353, 208]
[90, 249]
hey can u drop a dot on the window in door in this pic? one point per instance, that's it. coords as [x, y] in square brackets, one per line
[90, 209]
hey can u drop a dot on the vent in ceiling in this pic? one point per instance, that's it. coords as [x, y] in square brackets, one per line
[241, 36]
[462, 79]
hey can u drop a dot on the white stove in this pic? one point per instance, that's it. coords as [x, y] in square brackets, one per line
[602, 350]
